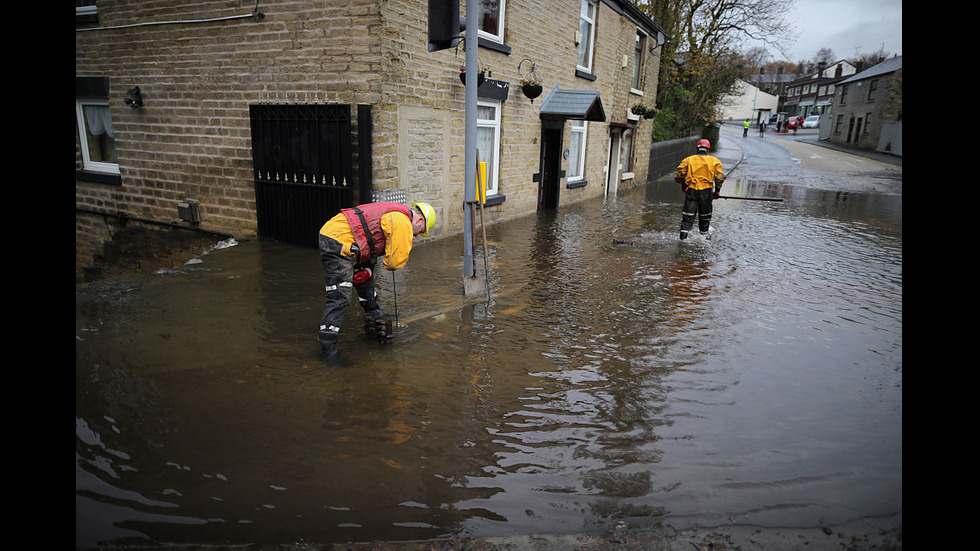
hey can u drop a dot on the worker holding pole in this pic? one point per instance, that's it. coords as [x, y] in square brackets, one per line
[350, 244]
[700, 176]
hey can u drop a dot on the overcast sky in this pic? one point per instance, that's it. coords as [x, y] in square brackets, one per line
[848, 27]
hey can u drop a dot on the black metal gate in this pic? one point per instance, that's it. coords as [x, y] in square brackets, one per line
[302, 160]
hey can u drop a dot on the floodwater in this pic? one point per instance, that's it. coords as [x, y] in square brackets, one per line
[614, 375]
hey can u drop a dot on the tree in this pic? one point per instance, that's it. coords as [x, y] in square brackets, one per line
[699, 63]
[864, 61]
[824, 57]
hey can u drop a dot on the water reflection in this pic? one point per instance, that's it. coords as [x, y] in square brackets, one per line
[616, 374]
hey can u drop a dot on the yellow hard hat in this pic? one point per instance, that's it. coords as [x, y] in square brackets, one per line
[430, 216]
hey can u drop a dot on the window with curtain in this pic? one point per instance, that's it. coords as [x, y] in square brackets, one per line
[488, 141]
[576, 150]
[491, 23]
[627, 151]
[98, 140]
[586, 29]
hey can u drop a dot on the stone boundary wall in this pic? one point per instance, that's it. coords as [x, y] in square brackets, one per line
[665, 156]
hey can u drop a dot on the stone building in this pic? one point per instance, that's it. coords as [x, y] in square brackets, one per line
[187, 111]
[867, 109]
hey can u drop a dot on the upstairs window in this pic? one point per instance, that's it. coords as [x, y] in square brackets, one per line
[491, 23]
[638, 60]
[586, 35]
[873, 90]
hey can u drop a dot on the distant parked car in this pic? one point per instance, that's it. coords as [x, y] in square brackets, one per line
[813, 121]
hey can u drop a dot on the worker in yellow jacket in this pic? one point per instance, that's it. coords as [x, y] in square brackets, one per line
[700, 177]
[350, 244]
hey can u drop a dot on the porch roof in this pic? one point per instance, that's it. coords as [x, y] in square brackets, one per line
[573, 104]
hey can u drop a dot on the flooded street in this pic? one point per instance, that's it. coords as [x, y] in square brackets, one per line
[615, 375]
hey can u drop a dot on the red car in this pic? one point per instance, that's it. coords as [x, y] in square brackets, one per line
[794, 122]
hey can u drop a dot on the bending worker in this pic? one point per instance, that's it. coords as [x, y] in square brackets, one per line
[697, 175]
[350, 244]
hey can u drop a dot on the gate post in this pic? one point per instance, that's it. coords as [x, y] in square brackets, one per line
[365, 160]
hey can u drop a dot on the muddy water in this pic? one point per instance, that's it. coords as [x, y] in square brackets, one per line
[614, 375]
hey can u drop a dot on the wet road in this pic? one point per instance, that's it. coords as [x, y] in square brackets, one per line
[616, 375]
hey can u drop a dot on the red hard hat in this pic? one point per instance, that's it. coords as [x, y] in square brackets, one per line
[705, 144]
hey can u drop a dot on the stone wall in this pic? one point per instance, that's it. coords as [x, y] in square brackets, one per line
[665, 156]
[886, 106]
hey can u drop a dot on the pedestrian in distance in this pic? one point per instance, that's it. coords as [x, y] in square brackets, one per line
[350, 244]
[700, 176]
[745, 128]
[762, 128]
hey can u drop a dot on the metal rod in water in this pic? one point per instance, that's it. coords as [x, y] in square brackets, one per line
[750, 198]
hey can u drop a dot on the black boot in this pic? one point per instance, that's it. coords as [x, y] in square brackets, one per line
[329, 352]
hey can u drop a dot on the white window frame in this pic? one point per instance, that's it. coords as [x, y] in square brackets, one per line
[493, 167]
[501, 10]
[87, 162]
[626, 163]
[589, 40]
[636, 79]
[576, 161]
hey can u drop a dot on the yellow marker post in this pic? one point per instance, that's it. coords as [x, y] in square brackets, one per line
[481, 183]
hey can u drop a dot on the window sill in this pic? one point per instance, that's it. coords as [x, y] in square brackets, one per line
[495, 46]
[494, 200]
[98, 177]
[583, 74]
[576, 184]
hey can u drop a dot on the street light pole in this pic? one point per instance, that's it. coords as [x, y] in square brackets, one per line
[469, 186]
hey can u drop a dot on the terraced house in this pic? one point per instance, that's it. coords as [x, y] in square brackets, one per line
[262, 119]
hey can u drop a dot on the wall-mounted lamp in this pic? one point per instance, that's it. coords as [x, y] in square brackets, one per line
[135, 99]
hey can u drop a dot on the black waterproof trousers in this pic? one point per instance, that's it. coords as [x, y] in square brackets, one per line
[338, 273]
[697, 202]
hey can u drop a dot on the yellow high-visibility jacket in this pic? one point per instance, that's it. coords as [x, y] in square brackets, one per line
[700, 171]
[398, 233]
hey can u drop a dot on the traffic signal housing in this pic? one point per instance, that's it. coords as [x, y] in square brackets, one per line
[444, 24]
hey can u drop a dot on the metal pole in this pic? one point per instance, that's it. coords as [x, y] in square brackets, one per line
[469, 186]
[750, 198]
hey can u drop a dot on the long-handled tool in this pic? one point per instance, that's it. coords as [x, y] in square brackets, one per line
[750, 198]
[394, 294]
